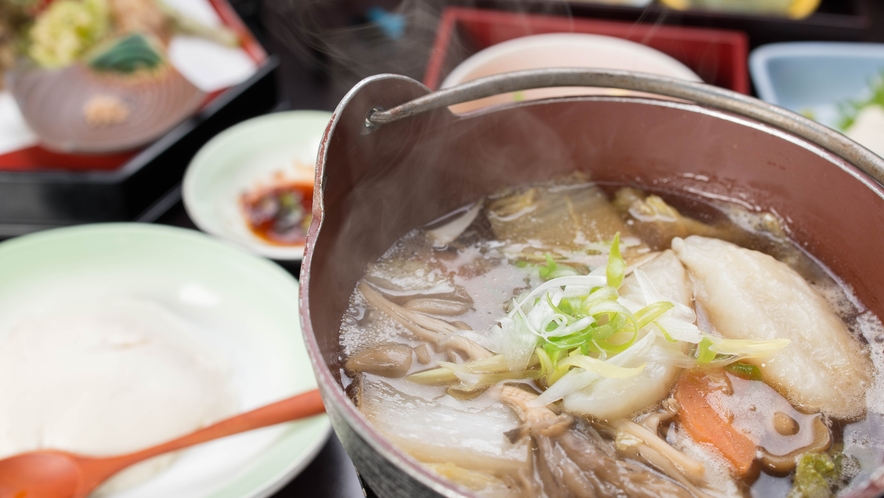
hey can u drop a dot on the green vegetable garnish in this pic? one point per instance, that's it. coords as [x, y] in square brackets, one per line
[722, 352]
[651, 312]
[582, 321]
[546, 270]
[745, 370]
[813, 475]
[704, 354]
[553, 270]
[849, 110]
[127, 55]
[616, 268]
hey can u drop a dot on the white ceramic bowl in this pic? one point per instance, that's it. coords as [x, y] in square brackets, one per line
[243, 157]
[237, 306]
[562, 50]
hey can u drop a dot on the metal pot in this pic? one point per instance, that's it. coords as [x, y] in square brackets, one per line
[383, 173]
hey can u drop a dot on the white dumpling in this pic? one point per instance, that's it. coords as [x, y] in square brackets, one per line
[750, 295]
[610, 399]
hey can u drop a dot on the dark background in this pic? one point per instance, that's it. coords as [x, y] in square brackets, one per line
[326, 46]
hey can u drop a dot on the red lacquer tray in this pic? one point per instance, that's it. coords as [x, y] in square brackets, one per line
[37, 158]
[717, 56]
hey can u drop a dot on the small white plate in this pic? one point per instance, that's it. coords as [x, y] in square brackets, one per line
[243, 157]
[236, 305]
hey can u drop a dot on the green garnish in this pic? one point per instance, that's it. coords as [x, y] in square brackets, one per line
[716, 351]
[548, 269]
[813, 475]
[744, 370]
[582, 321]
[616, 269]
[127, 55]
[552, 269]
[704, 354]
[850, 109]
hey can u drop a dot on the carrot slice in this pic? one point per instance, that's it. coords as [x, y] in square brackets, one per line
[705, 425]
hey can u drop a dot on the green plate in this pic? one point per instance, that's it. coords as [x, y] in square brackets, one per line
[241, 306]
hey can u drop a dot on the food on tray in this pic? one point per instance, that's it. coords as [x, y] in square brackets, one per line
[863, 120]
[280, 213]
[106, 62]
[127, 55]
[14, 16]
[574, 339]
[141, 16]
[107, 379]
[105, 110]
[134, 32]
[66, 29]
[157, 18]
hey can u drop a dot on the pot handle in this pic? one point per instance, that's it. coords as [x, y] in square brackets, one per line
[707, 95]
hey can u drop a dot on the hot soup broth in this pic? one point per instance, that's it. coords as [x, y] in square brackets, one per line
[576, 339]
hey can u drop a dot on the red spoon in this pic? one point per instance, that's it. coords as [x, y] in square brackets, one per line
[57, 474]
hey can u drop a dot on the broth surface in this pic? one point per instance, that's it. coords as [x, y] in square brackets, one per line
[460, 276]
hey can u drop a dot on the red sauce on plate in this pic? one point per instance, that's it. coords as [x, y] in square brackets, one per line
[280, 214]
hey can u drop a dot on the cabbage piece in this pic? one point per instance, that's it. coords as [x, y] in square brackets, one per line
[480, 482]
[571, 216]
[447, 233]
[469, 434]
[750, 295]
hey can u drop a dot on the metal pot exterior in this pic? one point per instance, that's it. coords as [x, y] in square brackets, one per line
[374, 184]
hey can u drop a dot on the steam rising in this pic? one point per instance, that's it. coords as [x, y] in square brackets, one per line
[336, 40]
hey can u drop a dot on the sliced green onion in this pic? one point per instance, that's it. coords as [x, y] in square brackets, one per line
[478, 380]
[549, 268]
[613, 308]
[616, 268]
[618, 347]
[563, 308]
[598, 296]
[663, 331]
[745, 371]
[444, 375]
[651, 312]
[748, 348]
[704, 354]
[546, 363]
[601, 368]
